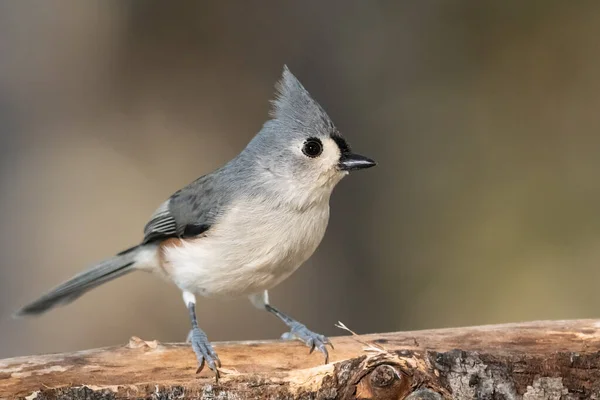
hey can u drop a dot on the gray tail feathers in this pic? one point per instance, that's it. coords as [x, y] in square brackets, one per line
[70, 290]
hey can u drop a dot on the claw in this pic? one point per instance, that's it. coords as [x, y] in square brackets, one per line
[200, 367]
[215, 357]
[324, 351]
[311, 343]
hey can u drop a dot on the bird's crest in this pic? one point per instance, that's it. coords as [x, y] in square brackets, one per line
[294, 107]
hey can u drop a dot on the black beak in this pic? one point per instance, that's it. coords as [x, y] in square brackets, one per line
[351, 162]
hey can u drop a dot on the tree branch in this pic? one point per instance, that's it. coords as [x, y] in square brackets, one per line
[536, 360]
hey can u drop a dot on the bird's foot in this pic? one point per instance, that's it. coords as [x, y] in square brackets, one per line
[309, 338]
[204, 351]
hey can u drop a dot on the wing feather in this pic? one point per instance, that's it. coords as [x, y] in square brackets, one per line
[162, 225]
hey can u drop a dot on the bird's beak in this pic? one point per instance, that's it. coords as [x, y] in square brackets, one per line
[351, 162]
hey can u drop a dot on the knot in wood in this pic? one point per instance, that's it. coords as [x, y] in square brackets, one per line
[384, 381]
[384, 375]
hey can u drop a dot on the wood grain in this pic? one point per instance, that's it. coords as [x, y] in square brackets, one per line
[534, 360]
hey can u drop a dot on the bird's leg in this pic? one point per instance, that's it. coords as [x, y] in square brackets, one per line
[297, 330]
[202, 347]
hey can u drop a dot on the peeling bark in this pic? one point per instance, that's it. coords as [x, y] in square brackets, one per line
[536, 360]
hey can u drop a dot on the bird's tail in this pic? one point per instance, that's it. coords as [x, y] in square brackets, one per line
[70, 290]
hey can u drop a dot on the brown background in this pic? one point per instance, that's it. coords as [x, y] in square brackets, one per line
[483, 116]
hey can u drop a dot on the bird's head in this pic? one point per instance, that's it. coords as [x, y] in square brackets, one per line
[299, 149]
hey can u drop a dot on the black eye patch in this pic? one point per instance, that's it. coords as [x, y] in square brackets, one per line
[341, 143]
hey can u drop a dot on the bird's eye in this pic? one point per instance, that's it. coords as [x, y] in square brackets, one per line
[312, 148]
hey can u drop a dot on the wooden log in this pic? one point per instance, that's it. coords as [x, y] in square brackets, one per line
[535, 360]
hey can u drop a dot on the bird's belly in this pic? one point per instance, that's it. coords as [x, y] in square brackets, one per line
[202, 270]
[240, 262]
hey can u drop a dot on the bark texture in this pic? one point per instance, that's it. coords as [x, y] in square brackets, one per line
[536, 360]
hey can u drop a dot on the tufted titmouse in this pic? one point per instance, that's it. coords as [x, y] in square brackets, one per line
[245, 227]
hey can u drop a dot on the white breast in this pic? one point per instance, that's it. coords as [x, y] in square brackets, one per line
[252, 248]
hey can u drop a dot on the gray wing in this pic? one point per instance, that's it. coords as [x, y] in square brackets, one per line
[189, 212]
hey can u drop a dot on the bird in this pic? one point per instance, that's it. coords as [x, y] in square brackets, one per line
[242, 229]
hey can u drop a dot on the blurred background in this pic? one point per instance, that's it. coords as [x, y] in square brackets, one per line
[484, 118]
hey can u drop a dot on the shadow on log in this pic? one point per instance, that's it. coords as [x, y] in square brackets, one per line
[536, 360]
